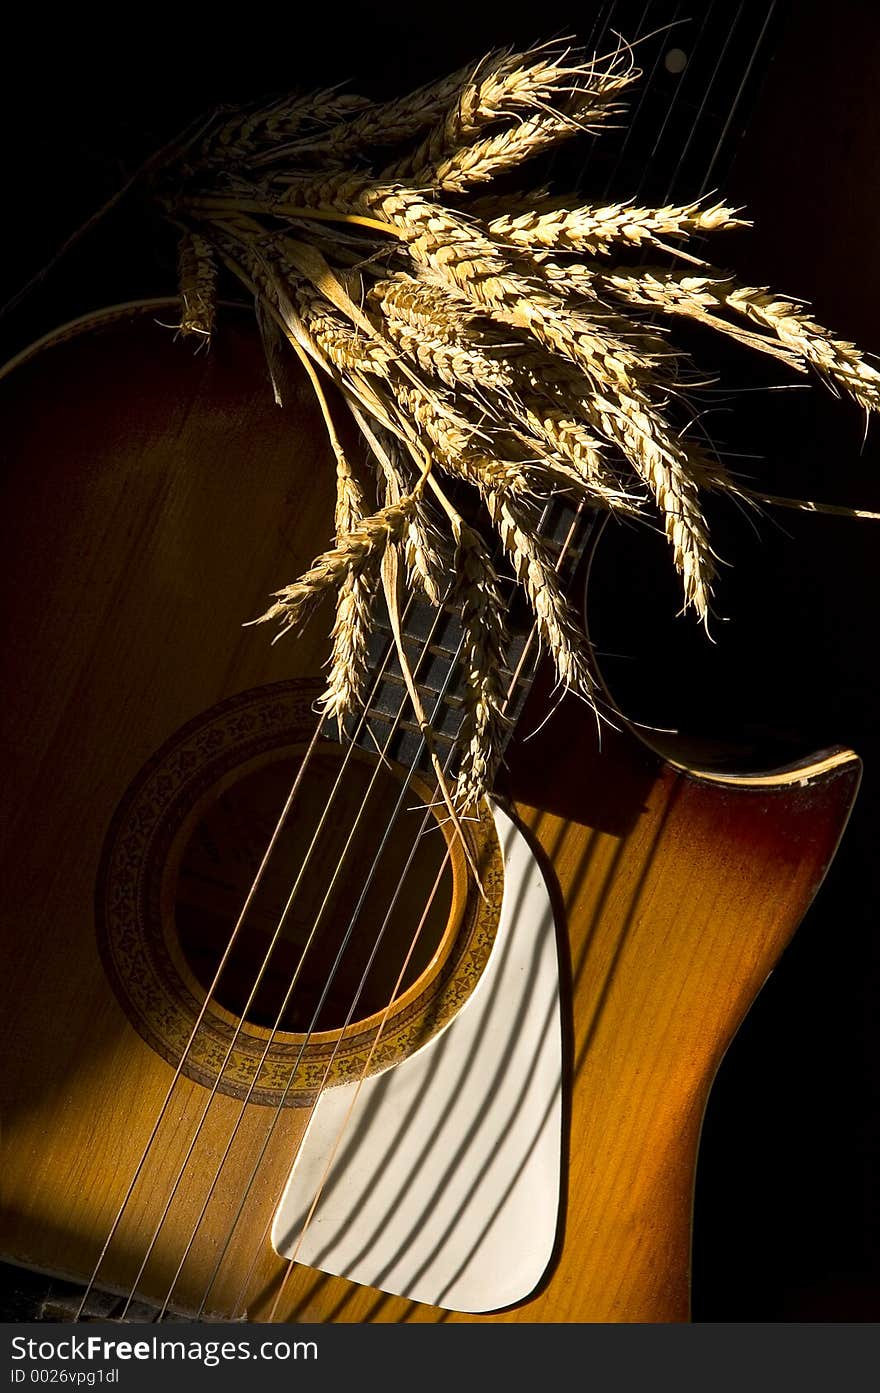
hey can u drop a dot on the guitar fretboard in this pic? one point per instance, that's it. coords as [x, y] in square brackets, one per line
[432, 641]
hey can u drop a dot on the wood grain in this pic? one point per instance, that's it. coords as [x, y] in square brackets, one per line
[154, 500]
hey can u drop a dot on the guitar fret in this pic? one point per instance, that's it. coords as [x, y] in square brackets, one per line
[393, 685]
[431, 642]
[410, 727]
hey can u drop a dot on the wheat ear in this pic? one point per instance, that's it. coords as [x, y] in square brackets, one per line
[197, 277]
[482, 659]
[348, 669]
[557, 626]
[596, 229]
[357, 553]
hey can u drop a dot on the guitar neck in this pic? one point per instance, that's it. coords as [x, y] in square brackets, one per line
[432, 642]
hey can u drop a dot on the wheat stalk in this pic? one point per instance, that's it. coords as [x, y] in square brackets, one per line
[483, 340]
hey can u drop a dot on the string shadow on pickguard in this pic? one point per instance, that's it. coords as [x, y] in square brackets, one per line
[474, 1144]
[572, 1063]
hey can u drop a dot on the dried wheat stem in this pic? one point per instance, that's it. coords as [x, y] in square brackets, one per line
[807, 505]
[456, 444]
[470, 264]
[483, 344]
[344, 346]
[461, 166]
[215, 205]
[273, 342]
[620, 407]
[595, 303]
[244, 262]
[463, 260]
[564, 434]
[798, 339]
[243, 259]
[350, 351]
[688, 295]
[444, 336]
[482, 658]
[667, 467]
[521, 378]
[349, 667]
[836, 360]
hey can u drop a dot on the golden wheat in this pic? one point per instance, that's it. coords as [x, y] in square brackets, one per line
[495, 339]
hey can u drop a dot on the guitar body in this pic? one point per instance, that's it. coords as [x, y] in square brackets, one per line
[154, 499]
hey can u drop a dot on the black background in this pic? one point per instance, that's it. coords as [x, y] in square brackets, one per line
[787, 1210]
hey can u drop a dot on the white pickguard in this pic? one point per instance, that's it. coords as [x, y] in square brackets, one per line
[445, 1186]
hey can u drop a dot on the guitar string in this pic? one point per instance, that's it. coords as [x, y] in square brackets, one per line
[675, 97]
[576, 524]
[738, 97]
[709, 85]
[196, 1026]
[426, 820]
[593, 44]
[280, 1108]
[358, 993]
[246, 906]
[222, 967]
[426, 815]
[290, 1262]
[641, 102]
[652, 317]
[282, 1010]
[139, 1169]
[170, 1291]
[322, 822]
[337, 1142]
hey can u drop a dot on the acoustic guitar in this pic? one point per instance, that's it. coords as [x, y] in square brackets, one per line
[276, 1042]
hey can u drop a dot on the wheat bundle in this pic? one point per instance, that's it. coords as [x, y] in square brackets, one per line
[476, 335]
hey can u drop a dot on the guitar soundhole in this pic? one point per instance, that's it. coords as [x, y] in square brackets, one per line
[182, 853]
[344, 875]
